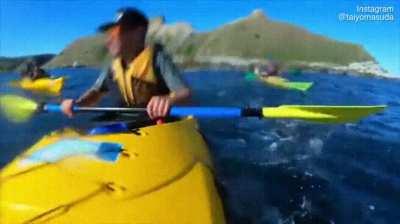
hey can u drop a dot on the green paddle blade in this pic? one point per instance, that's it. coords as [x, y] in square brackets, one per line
[16, 108]
[250, 76]
[322, 114]
[302, 86]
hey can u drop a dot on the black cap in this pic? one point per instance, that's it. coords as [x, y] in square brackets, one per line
[126, 18]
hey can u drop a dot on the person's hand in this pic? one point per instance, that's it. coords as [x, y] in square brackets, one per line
[158, 106]
[66, 107]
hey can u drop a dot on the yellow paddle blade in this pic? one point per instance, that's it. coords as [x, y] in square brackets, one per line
[16, 108]
[322, 114]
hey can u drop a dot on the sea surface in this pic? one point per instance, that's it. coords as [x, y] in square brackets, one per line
[272, 171]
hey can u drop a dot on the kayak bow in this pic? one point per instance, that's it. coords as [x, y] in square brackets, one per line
[163, 174]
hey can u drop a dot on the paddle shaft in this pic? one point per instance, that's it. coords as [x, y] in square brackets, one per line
[202, 112]
[19, 109]
[315, 113]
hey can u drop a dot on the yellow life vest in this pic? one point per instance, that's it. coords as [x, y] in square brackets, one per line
[138, 82]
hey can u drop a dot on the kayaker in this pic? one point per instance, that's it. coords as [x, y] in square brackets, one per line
[144, 75]
[28, 71]
[33, 72]
[273, 68]
[39, 73]
[270, 69]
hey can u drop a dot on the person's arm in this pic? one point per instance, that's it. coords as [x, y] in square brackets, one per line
[159, 106]
[180, 95]
[179, 92]
[90, 97]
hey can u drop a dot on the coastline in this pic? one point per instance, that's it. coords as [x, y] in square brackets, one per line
[367, 68]
[226, 67]
[229, 63]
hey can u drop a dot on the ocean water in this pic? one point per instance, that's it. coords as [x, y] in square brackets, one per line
[273, 171]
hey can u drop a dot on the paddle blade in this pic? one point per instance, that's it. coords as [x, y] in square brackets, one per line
[322, 114]
[16, 108]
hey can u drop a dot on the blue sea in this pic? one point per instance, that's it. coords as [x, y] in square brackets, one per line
[273, 171]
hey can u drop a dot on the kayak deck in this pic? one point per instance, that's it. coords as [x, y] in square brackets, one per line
[162, 175]
[280, 82]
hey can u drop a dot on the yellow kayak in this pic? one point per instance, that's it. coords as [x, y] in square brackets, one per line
[47, 85]
[280, 82]
[162, 174]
